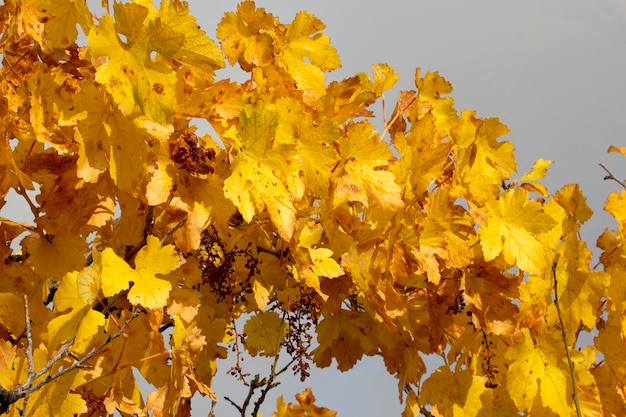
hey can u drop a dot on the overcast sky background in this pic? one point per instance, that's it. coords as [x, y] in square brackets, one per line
[552, 70]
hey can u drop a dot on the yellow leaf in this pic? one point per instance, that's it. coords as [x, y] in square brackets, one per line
[616, 206]
[12, 313]
[491, 295]
[384, 77]
[184, 303]
[152, 260]
[57, 255]
[314, 263]
[116, 273]
[265, 332]
[581, 291]
[305, 407]
[29, 21]
[430, 90]
[261, 169]
[10, 175]
[204, 200]
[48, 101]
[483, 162]
[344, 337]
[621, 149]
[464, 133]
[538, 171]
[347, 99]
[315, 143]
[411, 408]
[131, 74]
[529, 371]
[88, 284]
[512, 227]
[456, 394]
[422, 159]
[307, 54]
[148, 290]
[247, 36]
[361, 176]
[571, 198]
[60, 27]
[160, 183]
[108, 142]
[439, 235]
[175, 34]
[261, 294]
[81, 323]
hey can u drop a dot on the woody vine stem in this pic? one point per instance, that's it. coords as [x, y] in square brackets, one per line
[569, 359]
[24, 390]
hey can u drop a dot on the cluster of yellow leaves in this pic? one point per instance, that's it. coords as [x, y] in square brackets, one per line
[420, 244]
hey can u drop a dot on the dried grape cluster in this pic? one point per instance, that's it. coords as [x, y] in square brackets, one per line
[302, 316]
[490, 370]
[187, 151]
[459, 303]
[218, 268]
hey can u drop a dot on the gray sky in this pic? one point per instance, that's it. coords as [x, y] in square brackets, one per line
[552, 70]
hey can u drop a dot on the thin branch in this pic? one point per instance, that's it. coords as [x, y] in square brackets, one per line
[172, 230]
[11, 69]
[33, 208]
[237, 406]
[569, 359]
[270, 384]
[29, 353]
[610, 176]
[81, 363]
[266, 384]
[147, 227]
[395, 117]
[254, 385]
[27, 388]
[212, 411]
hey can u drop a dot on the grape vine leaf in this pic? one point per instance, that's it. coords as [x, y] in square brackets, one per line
[147, 290]
[533, 377]
[261, 169]
[305, 407]
[513, 224]
[265, 332]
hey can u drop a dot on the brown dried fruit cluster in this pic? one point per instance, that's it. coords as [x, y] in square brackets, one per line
[187, 151]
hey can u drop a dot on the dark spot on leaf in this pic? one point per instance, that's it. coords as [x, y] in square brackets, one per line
[158, 88]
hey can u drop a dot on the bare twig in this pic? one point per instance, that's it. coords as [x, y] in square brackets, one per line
[270, 383]
[252, 386]
[29, 352]
[212, 411]
[172, 230]
[28, 387]
[33, 208]
[266, 384]
[395, 117]
[569, 359]
[147, 227]
[11, 69]
[237, 406]
[610, 176]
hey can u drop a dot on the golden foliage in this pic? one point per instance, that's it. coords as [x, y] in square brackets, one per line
[150, 240]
